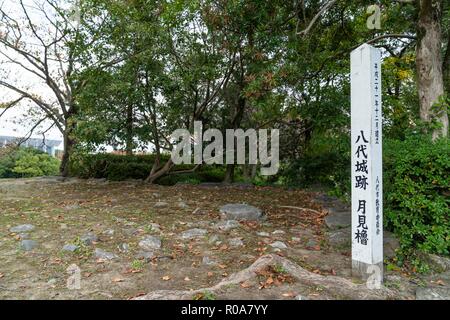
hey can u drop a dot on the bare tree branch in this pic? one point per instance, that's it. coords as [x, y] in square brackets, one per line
[324, 9]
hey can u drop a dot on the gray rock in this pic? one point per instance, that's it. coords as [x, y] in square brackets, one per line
[123, 247]
[433, 293]
[89, 238]
[390, 244]
[263, 234]
[213, 239]
[28, 245]
[130, 231]
[278, 232]
[241, 212]
[311, 243]
[193, 233]
[23, 236]
[182, 205]
[438, 263]
[22, 228]
[147, 256]
[70, 247]
[150, 243]
[227, 225]
[154, 227]
[300, 297]
[235, 242]
[208, 261]
[109, 232]
[105, 255]
[160, 204]
[72, 207]
[278, 245]
[338, 220]
[341, 237]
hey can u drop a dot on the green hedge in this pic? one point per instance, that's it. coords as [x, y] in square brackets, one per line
[417, 193]
[122, 167]
[111, 166]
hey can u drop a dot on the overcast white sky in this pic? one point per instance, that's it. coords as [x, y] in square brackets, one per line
[16, 122]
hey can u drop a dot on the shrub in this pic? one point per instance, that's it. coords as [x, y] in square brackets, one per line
[27, 162]
[326, 161]
[111, 166]
[417, 198]
[123, 167]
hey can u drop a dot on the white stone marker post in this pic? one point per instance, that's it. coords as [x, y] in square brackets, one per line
[367, 187]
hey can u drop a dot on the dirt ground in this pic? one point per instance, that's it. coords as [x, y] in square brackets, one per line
[121, 214]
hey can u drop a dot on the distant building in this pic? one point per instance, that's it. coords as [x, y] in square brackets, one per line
[45, 145]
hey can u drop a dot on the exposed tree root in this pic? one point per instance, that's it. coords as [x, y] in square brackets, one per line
[335, 285]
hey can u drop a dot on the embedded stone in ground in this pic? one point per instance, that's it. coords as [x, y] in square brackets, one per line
[147, 256]
[208, 261]
[193, 233]
[130, 231]
[235, 242]
[123, 247]
[109, 232]
[237, 211]
[263, 234]
[160, 204]
[341, 237]
[438, 263]
[311, 243]
[154, 227]
[390, 244]
[105, 255]
[278, 232]
[226, 225]
[182, 205]
[150, 243]
[72, 207]
[278, 245]
[89, 238]
[338, 220]
[213, 239]
[22, 228]
[70, 247]
[433, 293]
[28, 245]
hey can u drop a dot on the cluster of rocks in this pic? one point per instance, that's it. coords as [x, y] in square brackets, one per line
[22, 232]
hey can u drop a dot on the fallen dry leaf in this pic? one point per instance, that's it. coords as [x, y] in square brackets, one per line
[117, 279]
[166, 278]
[246, 284]
[187, 279]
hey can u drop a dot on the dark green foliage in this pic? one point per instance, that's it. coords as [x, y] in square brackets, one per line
[417, 193]
[326, 161]
[27, 162]
[111, 166]
[122, 167]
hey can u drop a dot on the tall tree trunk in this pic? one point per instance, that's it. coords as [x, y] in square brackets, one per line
[240, 108]
[69, 144]
[446, 68]
[229, 174]
[129, 130]
[429, 63]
